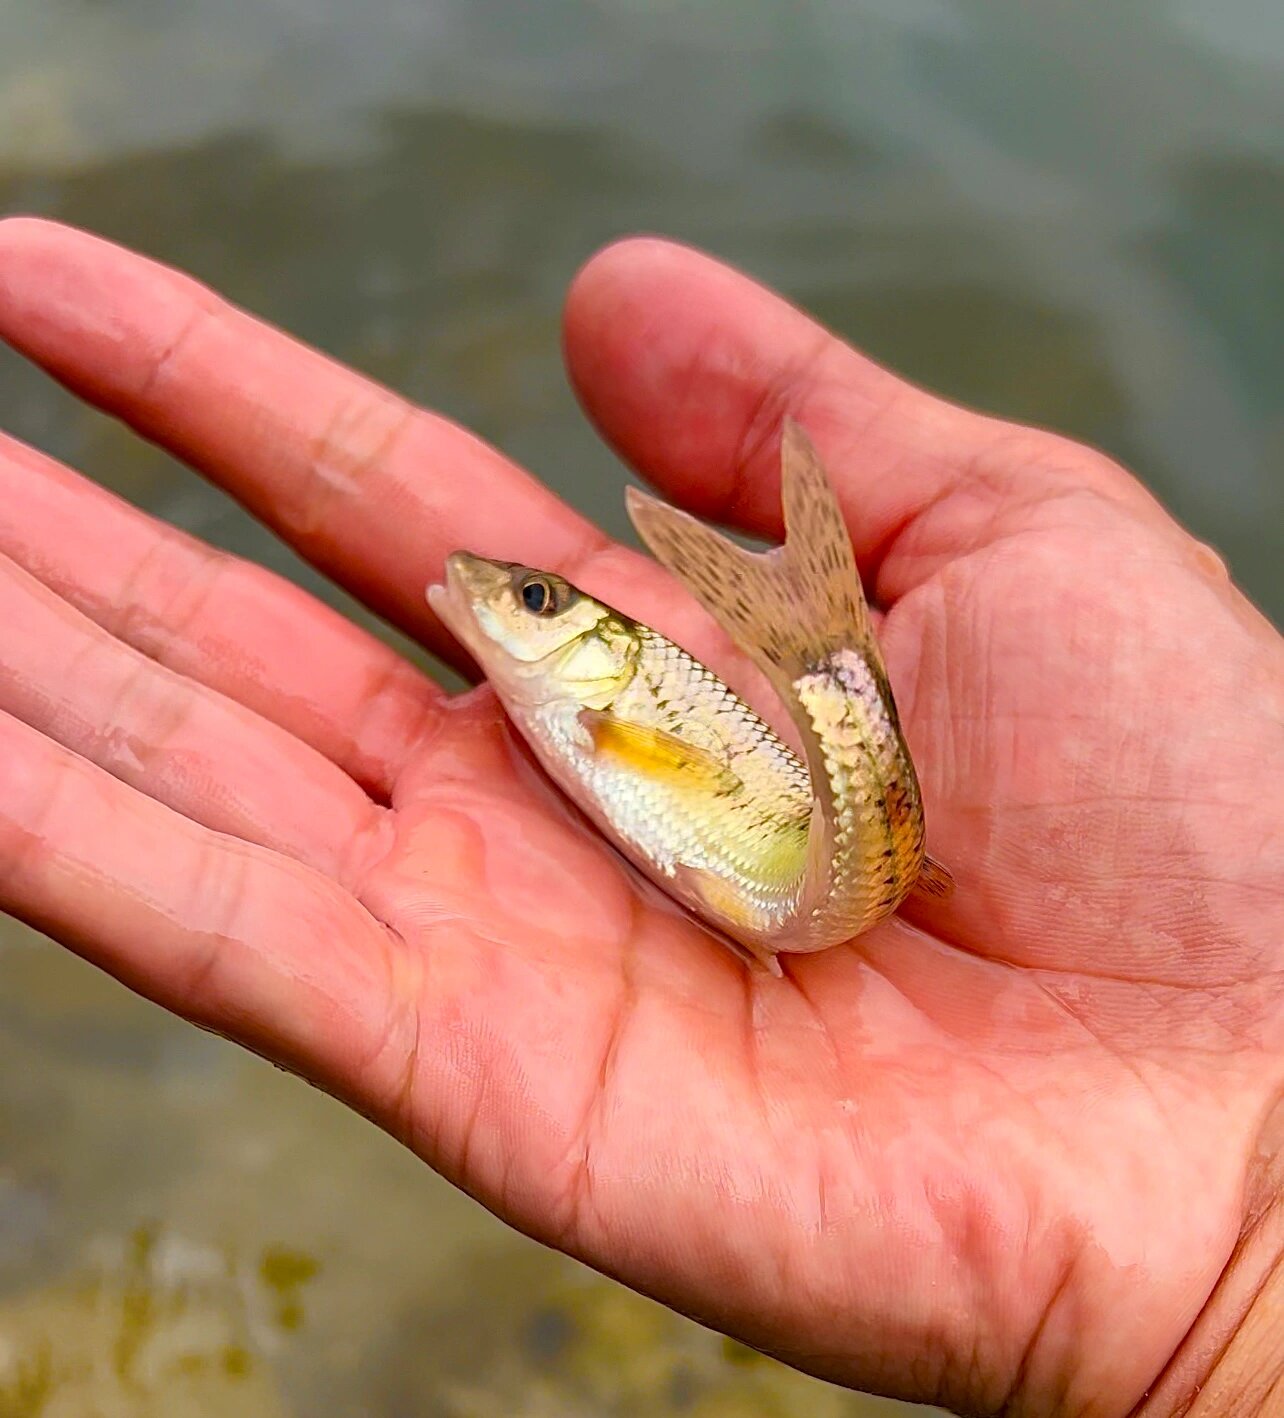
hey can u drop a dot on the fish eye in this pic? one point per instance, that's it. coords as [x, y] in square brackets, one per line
[538, 595]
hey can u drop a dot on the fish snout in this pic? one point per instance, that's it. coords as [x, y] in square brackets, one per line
[475, 576]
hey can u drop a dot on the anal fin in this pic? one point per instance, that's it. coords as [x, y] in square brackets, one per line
[934, 879]
[721, 898]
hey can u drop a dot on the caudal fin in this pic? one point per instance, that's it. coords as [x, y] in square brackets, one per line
[787, 608]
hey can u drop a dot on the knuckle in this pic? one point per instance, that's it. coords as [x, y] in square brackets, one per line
[356, 442]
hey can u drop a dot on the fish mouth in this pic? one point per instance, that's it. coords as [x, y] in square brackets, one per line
[466, 580]
[463, 600]
[472, 575]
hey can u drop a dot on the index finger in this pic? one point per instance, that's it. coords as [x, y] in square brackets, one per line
[371, 489]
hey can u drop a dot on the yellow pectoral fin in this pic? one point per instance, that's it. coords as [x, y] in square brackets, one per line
[656, 754]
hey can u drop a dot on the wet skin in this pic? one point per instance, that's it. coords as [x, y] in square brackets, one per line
[996, 1156]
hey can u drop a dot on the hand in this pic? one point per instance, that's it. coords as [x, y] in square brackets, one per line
[996, 1158]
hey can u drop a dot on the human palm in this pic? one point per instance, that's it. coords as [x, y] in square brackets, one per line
[994, 1154]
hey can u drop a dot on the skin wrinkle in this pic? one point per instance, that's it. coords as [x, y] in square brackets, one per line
[1229, 1023]
[1111, 1050]
[1105, 800]
[581, 1215]
[1211, 990]
[751, 998]
[360, 436]
[206, 308]
[992, 539]
[750, 994]
[887, 550]
[1244, 1298]
[427, 1135]
[133, 617]
[966, 1245]
[957, 1228]
[467, 1131]
[26, 852]
[158, 708]
[579, 1194]
[390, 686]
[997, 906]
[215, 898]
[358, 858]
[822, 1023]
[402, 1031]
[971, 1376]
[462, 1161]
[458, 1162]
[982, 472]
[1015, 1404]
[1021, 1104]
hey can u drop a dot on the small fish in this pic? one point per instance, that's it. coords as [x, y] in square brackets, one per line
[777, 854]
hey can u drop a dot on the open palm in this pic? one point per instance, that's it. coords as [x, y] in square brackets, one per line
[993, 1155]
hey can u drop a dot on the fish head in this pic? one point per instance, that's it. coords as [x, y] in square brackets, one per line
[535, 635]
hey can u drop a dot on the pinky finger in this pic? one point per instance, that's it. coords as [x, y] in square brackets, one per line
[228, 934]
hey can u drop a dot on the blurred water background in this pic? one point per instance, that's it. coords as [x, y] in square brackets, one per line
[1071, 214]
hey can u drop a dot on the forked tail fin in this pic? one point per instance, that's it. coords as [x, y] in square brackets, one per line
[787, 608]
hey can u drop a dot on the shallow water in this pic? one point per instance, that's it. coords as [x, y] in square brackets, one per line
[1069, 214]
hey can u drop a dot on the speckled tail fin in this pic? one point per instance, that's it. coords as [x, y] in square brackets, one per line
[787, 608]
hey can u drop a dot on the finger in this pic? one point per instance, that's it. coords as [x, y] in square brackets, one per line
[201, 754]
[689, 367]
[372, 490]
[229, 935]
[213, 618]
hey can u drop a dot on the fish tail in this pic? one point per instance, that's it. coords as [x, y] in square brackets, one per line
[788, 608]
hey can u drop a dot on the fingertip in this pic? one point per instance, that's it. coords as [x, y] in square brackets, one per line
[620, 267]
[93, 314]
[36, 247]
[28, 247]
[613, 312]
[21, 230]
